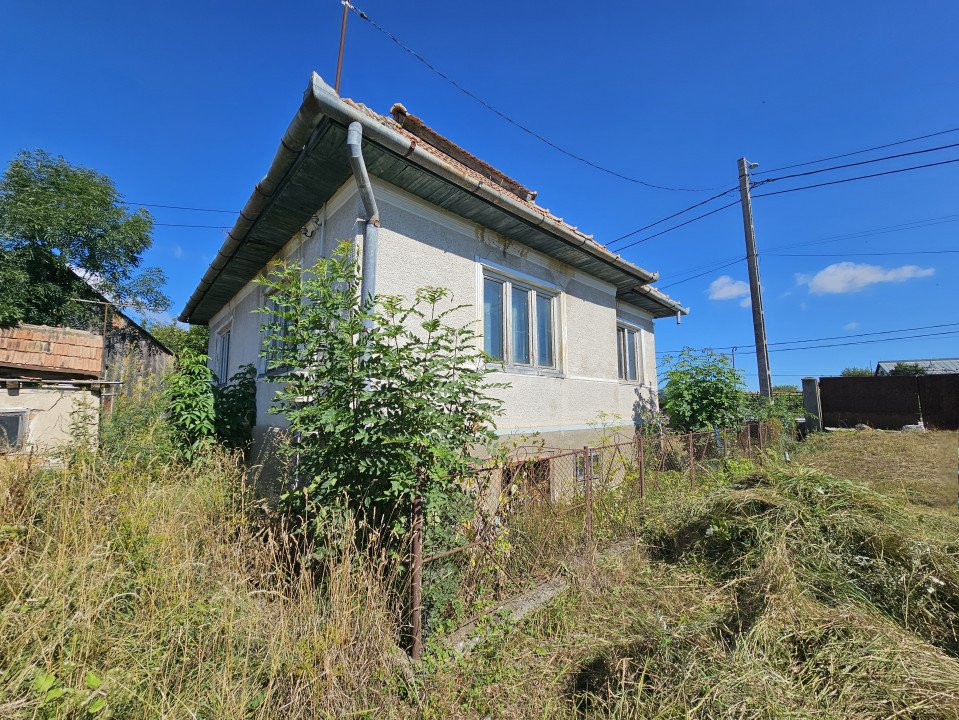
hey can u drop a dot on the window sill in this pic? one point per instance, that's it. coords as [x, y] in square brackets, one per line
[526, 370]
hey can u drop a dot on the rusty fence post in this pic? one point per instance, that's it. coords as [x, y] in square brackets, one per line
[416, 584]
[692, 464]
[641, 467]
[588, 492]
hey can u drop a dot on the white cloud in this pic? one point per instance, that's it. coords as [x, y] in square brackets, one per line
[725, 288]
[745, 302]
[177, 251]
[851, 326]
[849, 277]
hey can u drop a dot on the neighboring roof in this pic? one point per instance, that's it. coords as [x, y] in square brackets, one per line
[51, 349]
[933, 366]
[312, 163]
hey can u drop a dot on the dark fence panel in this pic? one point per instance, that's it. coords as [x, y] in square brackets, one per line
[939, 395]
[886, 402]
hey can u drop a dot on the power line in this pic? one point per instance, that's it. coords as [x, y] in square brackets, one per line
[515, 123]
[707, 272]
[867, 342]
[858, 177]
[863, 254]
[180, 207]
[180, 225]
[857, 164]
[858, 152]
[670, 217]
[832, 337]
[676, 227]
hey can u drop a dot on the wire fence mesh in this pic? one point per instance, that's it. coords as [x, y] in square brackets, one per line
[543, 509]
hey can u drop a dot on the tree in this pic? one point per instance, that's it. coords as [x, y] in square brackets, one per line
[178, 339]
[856, 372]
[385, 398]
[64, 229]
[908, 369]
[703, 391]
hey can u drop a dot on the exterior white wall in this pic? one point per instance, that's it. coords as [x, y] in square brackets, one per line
[419, 245]
[51, 411]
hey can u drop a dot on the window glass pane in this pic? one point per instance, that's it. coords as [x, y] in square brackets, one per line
[620, 349]
[519, 320]
[493, 318]
[544, 331]
[631, 354]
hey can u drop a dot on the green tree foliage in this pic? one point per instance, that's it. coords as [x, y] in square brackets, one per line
[189, 400]
[193, 338]
[856, 372]
[235, 409]
[703, 391]
[386, 399]
[62, 227]
[908, 369]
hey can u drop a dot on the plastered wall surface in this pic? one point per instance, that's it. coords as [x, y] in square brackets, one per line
[50, 413]
[421, 245]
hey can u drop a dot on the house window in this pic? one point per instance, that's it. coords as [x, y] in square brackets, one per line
[629, 356]
[12, 430]
[279, 324]
[222, 354]
[519, 323]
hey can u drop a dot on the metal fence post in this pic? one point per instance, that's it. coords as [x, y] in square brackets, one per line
[641, 462]
[416, 589]
[588, 491]
[692, 464]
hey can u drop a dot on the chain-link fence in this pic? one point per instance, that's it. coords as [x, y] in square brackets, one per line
[543, 509]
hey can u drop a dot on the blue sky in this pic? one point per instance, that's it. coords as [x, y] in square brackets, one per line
[184, 104]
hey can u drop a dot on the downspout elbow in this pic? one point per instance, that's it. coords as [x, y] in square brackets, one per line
[354, 141]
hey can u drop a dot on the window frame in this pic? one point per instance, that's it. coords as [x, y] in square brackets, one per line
[223, 361]
[625, 329]
[270, 348]
[509, 282]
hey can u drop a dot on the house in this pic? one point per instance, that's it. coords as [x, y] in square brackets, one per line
[933, 366]
[571, 321]
[50, 380]
[54, 378]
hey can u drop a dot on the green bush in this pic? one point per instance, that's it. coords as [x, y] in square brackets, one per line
[703, 391]
[190, 405]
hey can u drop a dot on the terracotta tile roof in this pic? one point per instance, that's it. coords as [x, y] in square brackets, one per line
[491, 178]
[51, 349]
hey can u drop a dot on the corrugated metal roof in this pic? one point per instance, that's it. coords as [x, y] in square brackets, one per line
[312, 163]
[51, 349]
[933, 366]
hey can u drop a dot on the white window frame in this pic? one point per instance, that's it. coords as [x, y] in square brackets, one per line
[624, 329]
[222, 359]
[510, 281]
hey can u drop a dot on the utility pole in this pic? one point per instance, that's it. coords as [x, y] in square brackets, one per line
[339, 60]
[755, 289]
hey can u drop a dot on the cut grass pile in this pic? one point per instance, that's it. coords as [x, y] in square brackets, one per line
[788, 593]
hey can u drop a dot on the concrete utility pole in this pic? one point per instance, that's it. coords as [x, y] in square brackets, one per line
[755, 289]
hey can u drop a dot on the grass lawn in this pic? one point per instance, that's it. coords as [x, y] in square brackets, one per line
[917, 467]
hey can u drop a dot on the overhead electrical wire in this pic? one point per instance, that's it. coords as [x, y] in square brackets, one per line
[857, 152]
[864, 254]
[746, 346]
[504, 116]
[706, 272]
[670, 217]
[676, 227]
[182, 225]
[179, 207]
[858, 177]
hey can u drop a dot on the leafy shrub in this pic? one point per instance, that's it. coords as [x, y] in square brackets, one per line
[235, 409]
[385, 398]
[703, 390]
[189, 404]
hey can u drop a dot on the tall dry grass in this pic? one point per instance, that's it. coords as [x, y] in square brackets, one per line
[132, 586]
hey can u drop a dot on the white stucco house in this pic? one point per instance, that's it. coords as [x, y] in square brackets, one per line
[572, 322]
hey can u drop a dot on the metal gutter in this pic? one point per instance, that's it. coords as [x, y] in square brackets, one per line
[319, 101]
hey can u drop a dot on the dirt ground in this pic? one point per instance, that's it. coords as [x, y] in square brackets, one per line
[918, 467]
